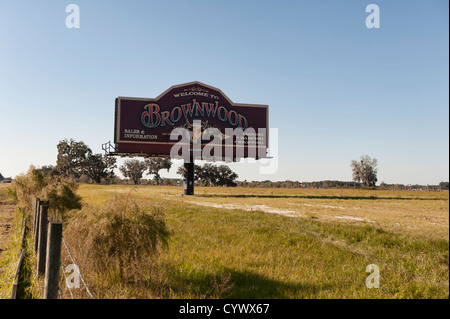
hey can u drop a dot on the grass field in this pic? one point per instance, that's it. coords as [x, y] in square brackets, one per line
[290, 243]
[270, 243]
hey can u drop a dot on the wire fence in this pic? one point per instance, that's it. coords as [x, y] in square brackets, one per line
[52, 259]
[66, 280]
[72, 277]
[15, 284]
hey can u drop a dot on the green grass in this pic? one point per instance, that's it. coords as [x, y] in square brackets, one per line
[271, 256]
[29, 286]
[243, 253]
[10, 258]
[223, 253]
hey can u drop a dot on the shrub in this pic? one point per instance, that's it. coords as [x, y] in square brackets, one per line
[60, 194]
[61, 197]
[118, 237]
[27, 185]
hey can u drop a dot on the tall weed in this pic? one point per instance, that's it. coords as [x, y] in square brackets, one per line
[118, 238]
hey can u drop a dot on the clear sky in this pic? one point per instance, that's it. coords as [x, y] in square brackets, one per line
[336, 89]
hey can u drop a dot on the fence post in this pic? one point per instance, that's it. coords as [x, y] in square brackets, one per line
[35, 215]
[53, 263]
[16, 276]
[36, 230]
[42, 245]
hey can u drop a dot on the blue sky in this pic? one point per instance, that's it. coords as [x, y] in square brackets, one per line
[336, 90]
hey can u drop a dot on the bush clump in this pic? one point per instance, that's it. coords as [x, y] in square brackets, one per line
[59, 193]
[61, 197]
[27, 185]
[118, 237]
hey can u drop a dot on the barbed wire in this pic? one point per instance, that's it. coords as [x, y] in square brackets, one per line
[62, 268]
[70, 291]
[77, 268]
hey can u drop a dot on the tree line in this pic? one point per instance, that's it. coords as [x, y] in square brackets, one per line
[77, 161]
[443, 186]
[298, 184]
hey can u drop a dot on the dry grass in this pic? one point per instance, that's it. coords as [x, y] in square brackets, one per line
[412, 212]
[418, 213]
[243, 252]
[118, 237]
[9, 258]
[271, 243]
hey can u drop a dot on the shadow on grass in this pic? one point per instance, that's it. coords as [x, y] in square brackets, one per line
[233, 284]
[247, 284]
[318, 197]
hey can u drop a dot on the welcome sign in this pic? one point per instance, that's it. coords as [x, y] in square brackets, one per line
[144, 125]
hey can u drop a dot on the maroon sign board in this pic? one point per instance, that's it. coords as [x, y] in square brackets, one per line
[143, 126]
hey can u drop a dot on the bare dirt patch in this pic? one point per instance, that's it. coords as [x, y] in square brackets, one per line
[284, 212]
[6, 219]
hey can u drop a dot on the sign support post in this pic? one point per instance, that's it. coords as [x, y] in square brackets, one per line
[188, 183]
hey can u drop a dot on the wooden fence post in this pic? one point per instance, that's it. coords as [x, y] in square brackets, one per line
[16, 276]
[17, 282]
[42, 245]
[36, 230]
[35, 215]
[53, 263]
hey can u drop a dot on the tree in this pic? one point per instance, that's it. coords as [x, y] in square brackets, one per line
[197, 169]
[76, 158]
[365, 171]
[212, 175]
[1, 177]
[111, 164]
[98, 166]
[47, 170]
[133, 169]
[155, 164]
[225, 176]
[444, 186]
[71, 158]
[208, 173]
